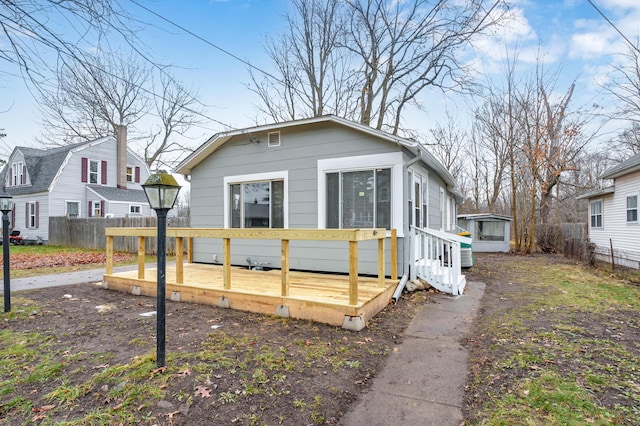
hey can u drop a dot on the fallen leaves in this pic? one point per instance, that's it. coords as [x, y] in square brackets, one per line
[52, 260]
[203, 391]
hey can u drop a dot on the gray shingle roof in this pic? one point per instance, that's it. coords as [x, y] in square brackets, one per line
[627, 166]
[42, 166]
[116, 194]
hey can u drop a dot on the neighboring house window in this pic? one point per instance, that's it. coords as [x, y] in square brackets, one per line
[256, 201]
[359, 199]
[596, 214]
[94, 172]
[32, 215]
[96, 208]
[73, 209]
[632, 208]
[134, 209]
[133, 174]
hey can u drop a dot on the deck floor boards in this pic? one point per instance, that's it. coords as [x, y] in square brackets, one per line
[315, 296]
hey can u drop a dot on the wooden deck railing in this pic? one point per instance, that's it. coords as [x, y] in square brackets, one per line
[352, 236]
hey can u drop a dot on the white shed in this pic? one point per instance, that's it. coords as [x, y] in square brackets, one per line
[489, 232]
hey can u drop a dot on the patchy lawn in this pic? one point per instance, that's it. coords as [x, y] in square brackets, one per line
[555, 343]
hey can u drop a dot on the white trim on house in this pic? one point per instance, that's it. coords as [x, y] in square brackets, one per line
[256, 177]
[391, 161]
[591, 214]
[627, 209]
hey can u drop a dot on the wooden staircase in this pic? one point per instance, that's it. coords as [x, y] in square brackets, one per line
[437, 259]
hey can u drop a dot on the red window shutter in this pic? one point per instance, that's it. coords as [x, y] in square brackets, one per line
[85, 169]
[102, 208]
[23, 178]
[104, 172]
[10, 176]
[37, 214]
[90, 210]
[26, 215]
[137, 177]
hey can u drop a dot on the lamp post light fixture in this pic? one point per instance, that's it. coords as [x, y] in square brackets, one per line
[6, 205]
[162, 191]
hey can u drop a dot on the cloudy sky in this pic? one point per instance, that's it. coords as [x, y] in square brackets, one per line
[572, 35]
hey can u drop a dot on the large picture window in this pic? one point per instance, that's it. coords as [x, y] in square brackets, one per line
[259, 203]
[359, 199]
[596, 214]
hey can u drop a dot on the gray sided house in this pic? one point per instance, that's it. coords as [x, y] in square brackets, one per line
[98, 178]
[322, 172]
[489, 232]
[613, 215]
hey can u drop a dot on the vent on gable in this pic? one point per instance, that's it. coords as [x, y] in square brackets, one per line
[273, 139]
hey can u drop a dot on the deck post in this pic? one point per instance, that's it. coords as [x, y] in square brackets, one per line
[353, 272]
[179, 260]
[381, 262]
[394, 254]
[190, 250]
[226, 265]
[141, 252]
[109, 270]
[284, 268]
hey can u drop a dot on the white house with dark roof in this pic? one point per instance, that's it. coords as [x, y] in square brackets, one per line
[613, 214]
[98, 178]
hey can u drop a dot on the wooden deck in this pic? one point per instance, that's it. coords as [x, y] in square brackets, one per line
[347, 300]
[312, 296]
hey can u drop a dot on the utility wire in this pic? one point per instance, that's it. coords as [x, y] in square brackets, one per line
[614, 26]
[204, 40]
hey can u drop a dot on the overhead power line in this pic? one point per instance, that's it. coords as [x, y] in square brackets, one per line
[633, 46]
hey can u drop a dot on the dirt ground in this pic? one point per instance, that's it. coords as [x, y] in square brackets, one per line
[327, 368]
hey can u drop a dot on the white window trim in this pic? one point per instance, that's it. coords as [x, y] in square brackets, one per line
[139, 206]
[99, 172]
[256, 177]
[29, 206]
[391, 161]
[14, 175]
[601, 200]
[73, 201]
[93, 208]
[273, 145]
[626, 209]
[132, 175]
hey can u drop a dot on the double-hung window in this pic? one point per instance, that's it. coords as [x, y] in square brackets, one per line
[632, 208]
[94, 171]
[256, 201]
[359, 199]
[596, 214]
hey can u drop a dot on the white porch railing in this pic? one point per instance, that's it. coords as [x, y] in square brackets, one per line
[437, 260]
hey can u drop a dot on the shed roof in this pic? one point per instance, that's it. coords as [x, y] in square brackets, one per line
[485, 216]
[219, 139]
[116, 194]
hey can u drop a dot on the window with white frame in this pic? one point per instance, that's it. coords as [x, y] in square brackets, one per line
[360, 192]
[73, 208]
[129, 174]
[632, 208]
[94, 171]
[32, 218]
[134, 209]
[359, 199]
[96, 209]
[596, 214]
[14, 178]
[256, 201]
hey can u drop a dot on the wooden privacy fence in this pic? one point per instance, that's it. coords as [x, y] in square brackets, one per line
[90, 232]
[179, 235]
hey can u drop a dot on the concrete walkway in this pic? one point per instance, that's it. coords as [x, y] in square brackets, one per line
[66, 278]
[423, 382]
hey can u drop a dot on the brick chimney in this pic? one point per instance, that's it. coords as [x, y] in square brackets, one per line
[122, 157]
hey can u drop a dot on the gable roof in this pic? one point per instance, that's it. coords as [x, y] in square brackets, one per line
[627, 166]
[43, 165]
[219, 139]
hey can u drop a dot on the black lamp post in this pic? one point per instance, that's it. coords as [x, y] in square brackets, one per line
[6, 205]
[161, 190]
